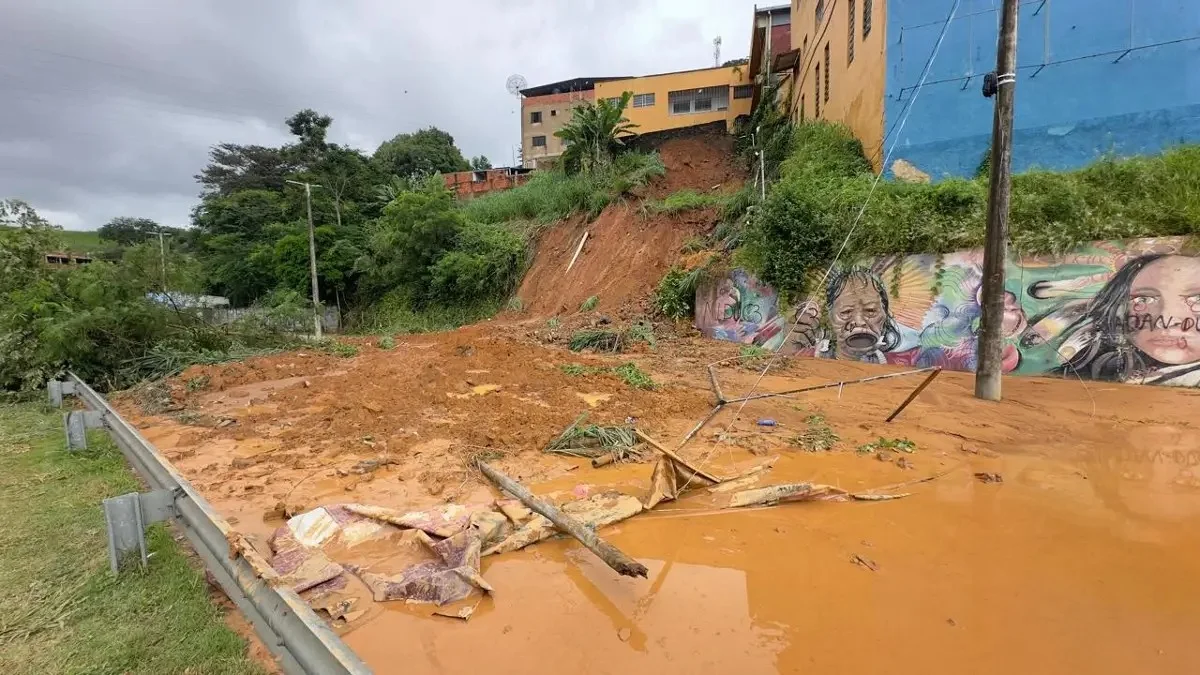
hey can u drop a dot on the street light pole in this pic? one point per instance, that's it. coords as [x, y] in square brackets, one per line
[312, 257]
[991, 327]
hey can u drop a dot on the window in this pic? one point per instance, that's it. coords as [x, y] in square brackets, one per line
[850, 44]
[801, 107]
[690, 101]
[535, 117]
[643, 100]
[613, 100]
[817, 91]
[827, 72]
[554, 113]
[539, 141]
[820, 12]
[743, 91]
[866, 18]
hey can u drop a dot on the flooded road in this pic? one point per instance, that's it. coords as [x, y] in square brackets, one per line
[1084, 557]
[971, 577]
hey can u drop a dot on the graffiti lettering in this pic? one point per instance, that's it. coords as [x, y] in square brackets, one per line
[1152, 322]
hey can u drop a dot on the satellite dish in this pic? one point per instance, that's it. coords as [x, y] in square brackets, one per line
[515, 84]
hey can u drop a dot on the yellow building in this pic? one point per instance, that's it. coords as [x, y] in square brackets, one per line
[683, 99]
[840, 73]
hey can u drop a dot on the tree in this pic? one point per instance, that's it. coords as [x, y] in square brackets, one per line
[127, 231]
[736, 62]
[428, 150]
[595, 133]
[25, 237]
[416, 229]
[481, 163]
[233, 167]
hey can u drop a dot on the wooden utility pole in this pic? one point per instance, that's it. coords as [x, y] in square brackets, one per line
[312, 257]
[991, 327]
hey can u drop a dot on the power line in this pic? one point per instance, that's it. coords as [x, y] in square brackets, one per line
[846, 241]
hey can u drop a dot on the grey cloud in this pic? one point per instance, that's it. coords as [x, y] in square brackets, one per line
[109, 108]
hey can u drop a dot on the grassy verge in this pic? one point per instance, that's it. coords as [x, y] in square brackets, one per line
[61, 610]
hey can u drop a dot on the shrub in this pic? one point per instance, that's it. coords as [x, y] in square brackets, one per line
[589, 304]
[675, 295]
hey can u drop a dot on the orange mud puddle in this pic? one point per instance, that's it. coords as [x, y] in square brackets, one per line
[1086, 558]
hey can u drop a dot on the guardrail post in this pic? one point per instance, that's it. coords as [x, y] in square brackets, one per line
[54, 390]
[126, 518]
[76, 423]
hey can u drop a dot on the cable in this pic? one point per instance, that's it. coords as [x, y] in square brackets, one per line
[846, 241]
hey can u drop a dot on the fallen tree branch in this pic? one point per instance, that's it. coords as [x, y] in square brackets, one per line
[676, 458]
[716, 386]
[610, 554]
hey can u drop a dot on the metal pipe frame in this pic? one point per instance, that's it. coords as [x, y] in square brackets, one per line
[300, 640]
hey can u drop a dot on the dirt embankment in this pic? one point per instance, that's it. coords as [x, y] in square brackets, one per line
[628, 250]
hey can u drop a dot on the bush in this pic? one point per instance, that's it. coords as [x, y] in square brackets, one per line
[396, 313]
[825, 181]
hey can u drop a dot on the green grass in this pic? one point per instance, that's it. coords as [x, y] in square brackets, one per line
[818, 436]
[394, 314]
[589, 304]
[79, 241]
[634, 376]
[61, 610]
[553, 195]
[629, 372]
[600, 340]
[894, 444]
[685, 200]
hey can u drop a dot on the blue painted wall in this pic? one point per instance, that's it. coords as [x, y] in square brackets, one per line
[1068, 114]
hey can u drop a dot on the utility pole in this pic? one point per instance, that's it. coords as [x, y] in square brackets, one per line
[991, 332]
[162, 254]
[312, 257]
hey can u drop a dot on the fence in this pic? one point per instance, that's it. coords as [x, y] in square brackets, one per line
[331, 320]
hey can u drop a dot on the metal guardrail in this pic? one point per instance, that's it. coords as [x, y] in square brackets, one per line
[303, 643]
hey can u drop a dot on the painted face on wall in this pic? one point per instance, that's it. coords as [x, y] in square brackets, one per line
[858, 318]
[1164, 310]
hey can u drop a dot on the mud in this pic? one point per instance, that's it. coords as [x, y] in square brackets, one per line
[1085, 558]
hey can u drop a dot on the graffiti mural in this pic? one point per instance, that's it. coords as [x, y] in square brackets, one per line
[1120, 311]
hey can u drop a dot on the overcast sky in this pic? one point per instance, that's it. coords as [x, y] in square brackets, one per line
[108, 108]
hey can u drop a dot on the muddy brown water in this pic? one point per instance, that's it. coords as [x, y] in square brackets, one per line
[1085, 558]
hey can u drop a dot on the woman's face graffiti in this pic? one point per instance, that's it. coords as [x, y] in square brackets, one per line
[858, 318]
[1164, 310]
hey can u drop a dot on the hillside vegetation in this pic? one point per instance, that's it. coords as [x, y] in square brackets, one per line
[825, 179]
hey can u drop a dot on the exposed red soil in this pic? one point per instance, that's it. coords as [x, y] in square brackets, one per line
[625, 256]
[702, 163]
[628, 251]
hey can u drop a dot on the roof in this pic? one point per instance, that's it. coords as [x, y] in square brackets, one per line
[776, 9]
[673, 72]
[573, 84]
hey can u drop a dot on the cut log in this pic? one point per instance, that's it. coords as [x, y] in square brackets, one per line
[611, 555]
[677, 459]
